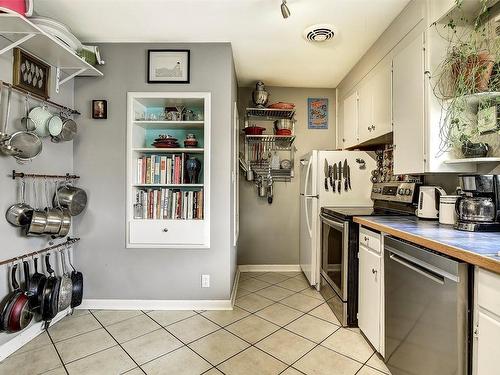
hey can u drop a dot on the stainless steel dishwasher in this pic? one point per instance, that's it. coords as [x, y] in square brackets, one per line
[426, 311]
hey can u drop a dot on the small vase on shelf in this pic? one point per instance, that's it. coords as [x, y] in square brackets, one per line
[193, 168]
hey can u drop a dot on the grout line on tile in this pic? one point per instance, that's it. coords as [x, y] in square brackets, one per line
[133, 360]
[57, 351]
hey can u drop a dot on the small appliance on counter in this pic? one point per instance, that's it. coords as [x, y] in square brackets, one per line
[478, 207]
[428, 202]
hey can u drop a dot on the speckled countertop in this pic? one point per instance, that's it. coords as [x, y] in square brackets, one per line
[479, 248]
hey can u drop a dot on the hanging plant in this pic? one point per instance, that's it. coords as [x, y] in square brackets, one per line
[470, 67]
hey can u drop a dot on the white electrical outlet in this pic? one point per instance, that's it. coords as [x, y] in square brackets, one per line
[205, 281]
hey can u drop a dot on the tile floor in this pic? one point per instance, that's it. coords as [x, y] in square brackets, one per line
[278, 326]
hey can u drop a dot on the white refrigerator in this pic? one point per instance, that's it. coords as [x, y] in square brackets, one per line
[313, 196]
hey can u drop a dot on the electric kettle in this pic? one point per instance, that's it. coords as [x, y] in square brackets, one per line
[428, 202]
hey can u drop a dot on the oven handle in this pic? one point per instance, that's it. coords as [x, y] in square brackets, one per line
[335, 224]
[417, 268]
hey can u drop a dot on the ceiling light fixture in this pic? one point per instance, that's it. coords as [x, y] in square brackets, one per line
[284, 10]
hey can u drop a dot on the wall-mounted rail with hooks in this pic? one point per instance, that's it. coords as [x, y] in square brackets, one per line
[66, 176]
[69, 241]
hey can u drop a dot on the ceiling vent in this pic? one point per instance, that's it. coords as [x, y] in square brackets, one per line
[319, 33]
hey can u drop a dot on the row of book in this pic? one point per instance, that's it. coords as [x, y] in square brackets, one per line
[169, 204]
[160, 169]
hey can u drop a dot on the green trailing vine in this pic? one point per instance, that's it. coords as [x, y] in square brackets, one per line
[470, 66]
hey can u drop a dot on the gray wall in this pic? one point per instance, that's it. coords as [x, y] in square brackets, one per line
[111, 270]
[269, 234]
[54, 159]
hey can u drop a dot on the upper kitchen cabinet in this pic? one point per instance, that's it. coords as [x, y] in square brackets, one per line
[417, 113]
[375, 109]
[408, 107]
[350, 123]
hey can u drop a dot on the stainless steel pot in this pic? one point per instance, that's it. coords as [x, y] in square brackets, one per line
[65, 223]
[19, 214]
[38, 218]
[284, 123]
[479, 209]
[68, 131]
[54, 216]
[72, 198]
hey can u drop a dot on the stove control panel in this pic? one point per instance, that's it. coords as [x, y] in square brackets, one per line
[394, 191]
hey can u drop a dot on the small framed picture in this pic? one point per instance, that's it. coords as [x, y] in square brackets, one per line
[99, 109]
[317, 113]
[30, 74]
[168, 65]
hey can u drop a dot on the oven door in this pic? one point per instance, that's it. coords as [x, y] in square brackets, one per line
[334, 254]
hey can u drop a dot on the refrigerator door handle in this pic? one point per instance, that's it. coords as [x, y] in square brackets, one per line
[311, 196]
[308, 171]
[309, 229]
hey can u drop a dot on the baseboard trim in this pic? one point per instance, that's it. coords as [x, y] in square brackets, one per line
[138, 304]
[235, 287]
[27, 335]
[270, 268]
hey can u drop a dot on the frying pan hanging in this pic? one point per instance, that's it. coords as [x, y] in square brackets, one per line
[35, 288]
[77, 279]
[50, 297]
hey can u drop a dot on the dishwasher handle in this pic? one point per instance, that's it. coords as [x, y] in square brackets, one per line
[417, 268]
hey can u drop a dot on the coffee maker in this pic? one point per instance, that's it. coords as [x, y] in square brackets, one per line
[478, 207]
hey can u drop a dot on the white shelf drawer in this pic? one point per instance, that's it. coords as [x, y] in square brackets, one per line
[170, 233]
[369, 239]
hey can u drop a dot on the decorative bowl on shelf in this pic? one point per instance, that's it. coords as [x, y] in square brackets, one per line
[475, 150]
[165, 141]
[254, 130]
[283, 132]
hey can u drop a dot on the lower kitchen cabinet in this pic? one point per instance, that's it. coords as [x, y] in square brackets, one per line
[486, 323]
[370, 287]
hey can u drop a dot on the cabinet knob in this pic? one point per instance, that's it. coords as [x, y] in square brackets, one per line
[366, 239]
[369, 128]
[374, 271]
[165, 230]
[373, 127]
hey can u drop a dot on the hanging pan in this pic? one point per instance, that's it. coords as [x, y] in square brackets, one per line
[35, 288]
[77, 279]
[6, 147]
[50, 297]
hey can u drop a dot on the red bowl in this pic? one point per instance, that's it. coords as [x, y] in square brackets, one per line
[254, 130]
[283, 132]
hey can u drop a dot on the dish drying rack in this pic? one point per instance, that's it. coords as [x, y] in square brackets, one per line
[258, 150]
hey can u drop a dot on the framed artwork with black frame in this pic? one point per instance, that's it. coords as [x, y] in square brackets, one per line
[99, 109]
[30, 73]
[168, 66]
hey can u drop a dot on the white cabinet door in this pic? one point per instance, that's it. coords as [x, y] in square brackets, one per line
[365, 107]
[488, 345]
[369, 295]
[382, 100]
[350, 125]
[408, 107]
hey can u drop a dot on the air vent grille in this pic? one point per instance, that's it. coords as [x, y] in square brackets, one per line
[319, 33]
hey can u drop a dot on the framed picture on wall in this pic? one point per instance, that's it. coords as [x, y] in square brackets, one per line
[30, 74]
[168, 65]
[317, 113]
[99, 109]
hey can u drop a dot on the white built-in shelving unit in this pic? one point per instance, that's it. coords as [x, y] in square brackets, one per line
[179, 233]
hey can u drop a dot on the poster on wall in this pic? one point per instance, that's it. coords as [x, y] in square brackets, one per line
[317, 113]
[168, 66]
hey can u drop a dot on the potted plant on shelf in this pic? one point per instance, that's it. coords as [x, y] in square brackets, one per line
[469, 67]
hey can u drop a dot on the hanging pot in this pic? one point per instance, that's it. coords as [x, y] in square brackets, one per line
[20, 214]
[77, 279]
[72, 198]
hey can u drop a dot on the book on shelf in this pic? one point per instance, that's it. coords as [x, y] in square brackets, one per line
[168, 204]
[161, 169]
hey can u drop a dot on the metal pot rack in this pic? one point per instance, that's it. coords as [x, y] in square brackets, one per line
[41, 99]
[69, 241]
[66, 176]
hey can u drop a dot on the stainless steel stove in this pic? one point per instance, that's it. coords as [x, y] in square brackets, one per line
[339, 244]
